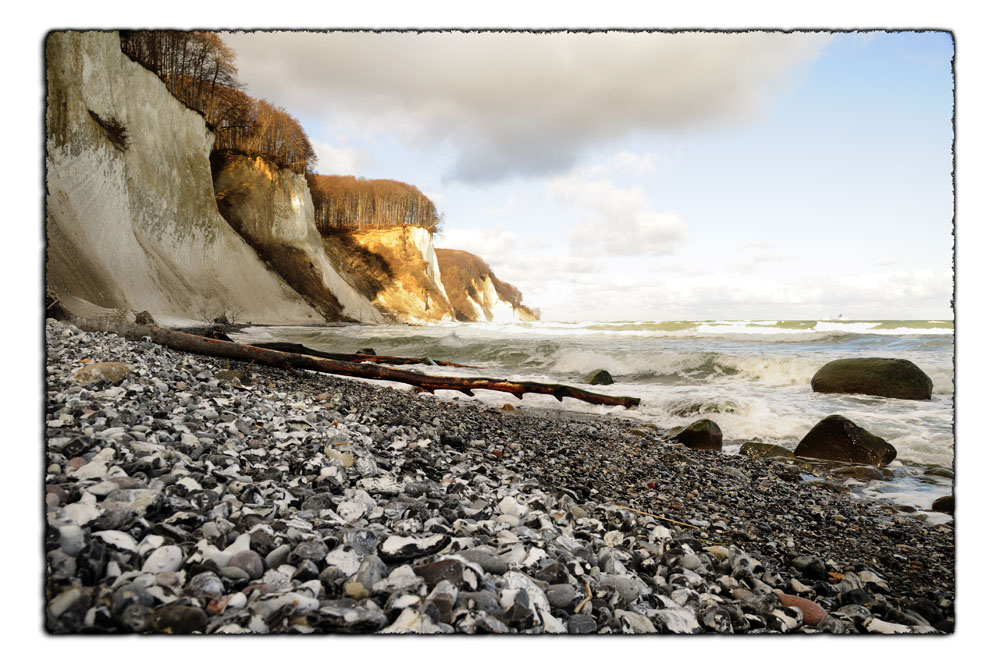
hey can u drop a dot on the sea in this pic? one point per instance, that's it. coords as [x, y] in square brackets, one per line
[751, 377]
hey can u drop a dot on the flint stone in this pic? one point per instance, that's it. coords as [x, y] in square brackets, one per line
[178, 619]
[250, 562]
[112, 372]
[838, 439]
[581, 624]
[701, 435]
[398, 549]
[136, 500]
[561, 595]
[352, 616]
[165, 559]
[877, 376]
[442, 570]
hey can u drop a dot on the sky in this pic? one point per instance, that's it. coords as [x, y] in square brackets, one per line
[978, 144]
[652, 175]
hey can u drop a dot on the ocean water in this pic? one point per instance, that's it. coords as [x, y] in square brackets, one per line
[750, 377]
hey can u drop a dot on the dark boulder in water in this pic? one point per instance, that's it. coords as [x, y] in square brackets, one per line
[701, 435]
[878, 376]
[599, 377]
[944, 504]
[838, 439]
[764, 450]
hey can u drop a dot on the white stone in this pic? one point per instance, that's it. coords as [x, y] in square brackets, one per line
[347, 562]
[118, 539]
[508, 505]
[165, 559]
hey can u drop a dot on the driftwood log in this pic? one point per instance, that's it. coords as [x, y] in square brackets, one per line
[352, 357]
[190, 343]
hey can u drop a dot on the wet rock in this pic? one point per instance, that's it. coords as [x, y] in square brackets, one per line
[885, 377]
[599, 377]
[442, 570]
[765, 450]
[838, 439]
[701, 435]
[944, 504]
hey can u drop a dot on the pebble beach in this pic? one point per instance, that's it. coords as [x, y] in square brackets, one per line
[186, 496]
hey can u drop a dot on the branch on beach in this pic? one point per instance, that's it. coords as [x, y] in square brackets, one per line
[353, 357]
[190, 343]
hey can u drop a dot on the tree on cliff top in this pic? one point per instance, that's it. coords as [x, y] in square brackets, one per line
[344, 202]
[199, 69]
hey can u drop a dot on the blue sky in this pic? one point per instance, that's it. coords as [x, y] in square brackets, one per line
[655, 176]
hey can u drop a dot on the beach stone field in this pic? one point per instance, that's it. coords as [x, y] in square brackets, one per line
[183, 496]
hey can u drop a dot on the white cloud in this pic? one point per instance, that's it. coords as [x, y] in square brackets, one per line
[522, 103]
[493, 244]
[331, 160]
[627, 162]
[616, 221]
[506, 210]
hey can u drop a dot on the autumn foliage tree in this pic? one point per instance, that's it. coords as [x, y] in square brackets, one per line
[344, 202]
[199, 69]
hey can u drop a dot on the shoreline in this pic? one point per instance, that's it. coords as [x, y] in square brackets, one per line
[494, 484]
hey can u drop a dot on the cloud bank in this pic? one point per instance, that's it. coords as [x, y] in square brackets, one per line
[521, 104]
[616, 221]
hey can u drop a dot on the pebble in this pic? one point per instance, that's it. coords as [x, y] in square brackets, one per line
[165, 559]
[229, 508]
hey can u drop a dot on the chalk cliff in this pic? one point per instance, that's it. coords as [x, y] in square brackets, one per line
[131, 217]
[141, 214]
[475, 292]
[401, 269]
[272, 210]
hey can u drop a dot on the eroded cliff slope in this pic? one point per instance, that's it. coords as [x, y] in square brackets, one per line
[272, 210]
[475, 292]
[398, 270]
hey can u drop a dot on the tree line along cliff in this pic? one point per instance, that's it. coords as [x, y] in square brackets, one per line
[342, 247]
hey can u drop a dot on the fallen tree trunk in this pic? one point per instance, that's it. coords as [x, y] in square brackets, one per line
[190, 343]
[353, 357]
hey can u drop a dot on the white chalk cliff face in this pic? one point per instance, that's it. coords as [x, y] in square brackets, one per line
[273, 211]
[132, 221]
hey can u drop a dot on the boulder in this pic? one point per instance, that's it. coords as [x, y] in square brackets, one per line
[882, 377]
[144, 318]
[945, 504]
[838, 439]
[765, 450]
[599, 377]
[366, 351]
[701, 435]
[113, 372]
